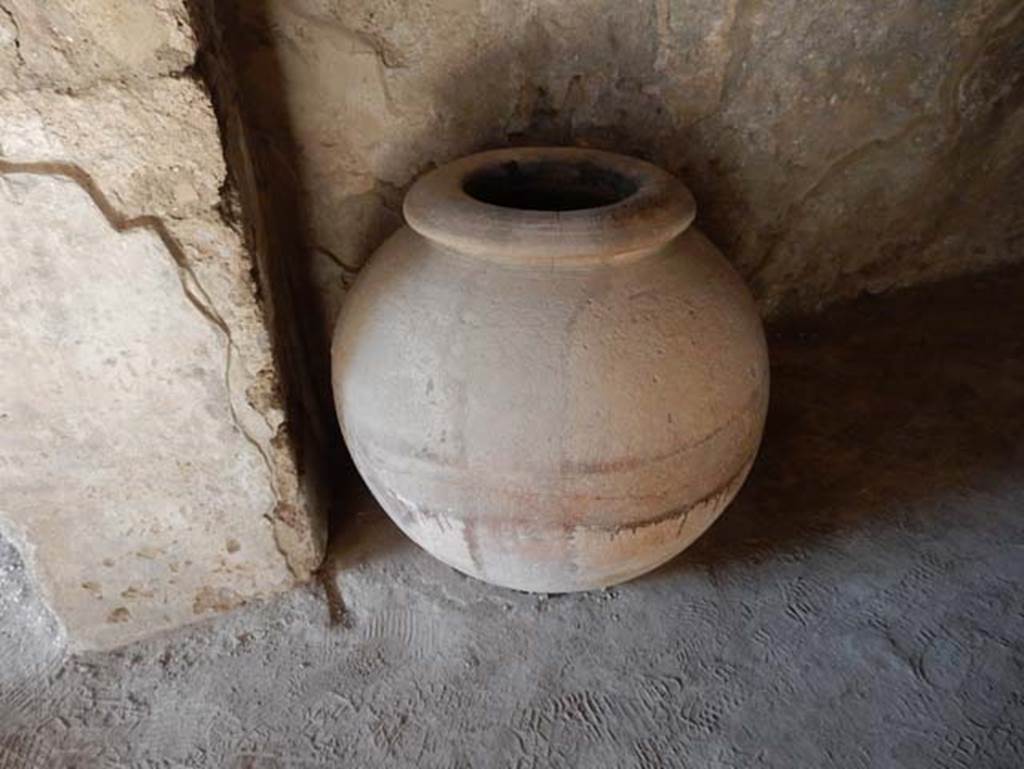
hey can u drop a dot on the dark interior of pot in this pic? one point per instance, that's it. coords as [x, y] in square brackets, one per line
[548, 185]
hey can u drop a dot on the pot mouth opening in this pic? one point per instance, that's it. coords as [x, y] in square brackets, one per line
[548, 185]
[550, 206]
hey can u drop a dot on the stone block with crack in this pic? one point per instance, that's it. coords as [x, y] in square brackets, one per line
[145, 469]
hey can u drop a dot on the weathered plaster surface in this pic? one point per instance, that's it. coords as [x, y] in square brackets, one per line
[101, 118]
[833, 149]
[860, 605]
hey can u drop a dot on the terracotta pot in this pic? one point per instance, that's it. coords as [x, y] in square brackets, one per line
[549, 379]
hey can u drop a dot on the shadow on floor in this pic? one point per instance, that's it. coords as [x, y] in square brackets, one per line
[877, 404]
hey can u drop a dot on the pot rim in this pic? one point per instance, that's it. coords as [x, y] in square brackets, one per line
[650, 208]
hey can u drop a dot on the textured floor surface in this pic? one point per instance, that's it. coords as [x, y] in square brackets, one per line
[861, 604]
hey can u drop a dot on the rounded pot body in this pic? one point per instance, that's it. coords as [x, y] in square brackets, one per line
[543, 392]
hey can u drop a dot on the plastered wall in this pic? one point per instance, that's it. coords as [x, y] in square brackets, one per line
[834, 148]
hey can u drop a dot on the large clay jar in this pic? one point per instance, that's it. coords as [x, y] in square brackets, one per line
[549, 379]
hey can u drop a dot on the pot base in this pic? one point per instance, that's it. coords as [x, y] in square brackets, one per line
[565, 560]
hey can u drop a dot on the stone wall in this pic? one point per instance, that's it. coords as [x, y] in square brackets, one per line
[833, 148]
[146, 471]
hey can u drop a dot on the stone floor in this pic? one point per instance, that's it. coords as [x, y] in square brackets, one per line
[861, 604]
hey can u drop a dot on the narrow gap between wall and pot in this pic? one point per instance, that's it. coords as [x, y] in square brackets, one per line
[263, 196]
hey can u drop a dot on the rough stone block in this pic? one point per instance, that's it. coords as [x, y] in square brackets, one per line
[145, 465]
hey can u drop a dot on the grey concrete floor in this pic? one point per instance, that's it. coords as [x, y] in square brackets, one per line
[859, 605]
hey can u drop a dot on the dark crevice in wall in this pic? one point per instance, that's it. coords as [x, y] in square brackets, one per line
[267, 196]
